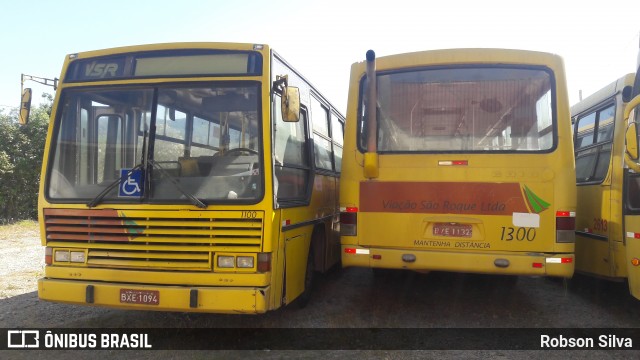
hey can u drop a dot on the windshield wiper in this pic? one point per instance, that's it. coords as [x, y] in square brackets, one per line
[96, 200]
[194, 200]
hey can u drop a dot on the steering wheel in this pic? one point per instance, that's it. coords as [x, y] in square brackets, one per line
[240, 150]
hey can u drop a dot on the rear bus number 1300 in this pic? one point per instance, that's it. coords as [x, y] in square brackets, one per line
[518, 234]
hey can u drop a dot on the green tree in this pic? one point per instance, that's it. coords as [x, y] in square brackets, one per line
[21, 150]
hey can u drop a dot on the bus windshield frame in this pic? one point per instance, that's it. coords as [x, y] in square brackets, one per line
[188, 139]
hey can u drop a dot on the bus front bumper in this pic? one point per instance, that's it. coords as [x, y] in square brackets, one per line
[506, 263]
[231, 300]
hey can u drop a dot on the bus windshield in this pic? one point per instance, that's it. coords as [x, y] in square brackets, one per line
[203, 138]
[463, 109]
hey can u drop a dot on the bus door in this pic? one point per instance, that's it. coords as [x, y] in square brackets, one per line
[596, 244]
[292, 178]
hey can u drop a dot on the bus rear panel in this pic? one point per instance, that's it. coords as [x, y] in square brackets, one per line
[473, 165]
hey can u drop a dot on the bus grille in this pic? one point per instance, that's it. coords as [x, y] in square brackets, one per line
[170, 240]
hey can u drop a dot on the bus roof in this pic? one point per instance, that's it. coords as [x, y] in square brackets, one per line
[231, 46]
[169, 46]
[606, 92]
[464, 56]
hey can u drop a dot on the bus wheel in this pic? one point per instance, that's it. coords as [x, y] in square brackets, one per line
[309, 280]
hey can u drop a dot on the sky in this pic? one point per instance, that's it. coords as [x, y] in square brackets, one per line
[598, 40]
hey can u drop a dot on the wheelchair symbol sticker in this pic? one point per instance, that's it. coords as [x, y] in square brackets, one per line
[132, 185]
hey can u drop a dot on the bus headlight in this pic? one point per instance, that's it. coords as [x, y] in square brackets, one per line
[67, 255]
[245, 261]
[62, 255]
[226, 261]
[77, 256]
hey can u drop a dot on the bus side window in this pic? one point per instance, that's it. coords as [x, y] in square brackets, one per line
[292, 170]
[321, 139]
[337, 135]
[585, 131]
[289, 181]
[633, 191]
[593, 145]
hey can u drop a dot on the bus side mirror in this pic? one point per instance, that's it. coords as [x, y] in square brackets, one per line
[631, 136]
[25, 106]
[291, 104]
[630, 106]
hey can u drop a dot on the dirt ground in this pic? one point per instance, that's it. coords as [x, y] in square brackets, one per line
[345, 298]
[22, 259]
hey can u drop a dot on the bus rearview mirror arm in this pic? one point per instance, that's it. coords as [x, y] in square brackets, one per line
[25, 102]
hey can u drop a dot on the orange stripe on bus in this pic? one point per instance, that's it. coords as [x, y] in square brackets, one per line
[442, 198]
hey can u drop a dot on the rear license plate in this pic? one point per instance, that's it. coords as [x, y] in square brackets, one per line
[145, 297]
[452, 230]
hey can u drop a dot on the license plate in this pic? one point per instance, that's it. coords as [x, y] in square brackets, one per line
[452, 230]
[145, 297]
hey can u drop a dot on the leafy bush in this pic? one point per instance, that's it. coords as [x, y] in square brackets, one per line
[21, 150]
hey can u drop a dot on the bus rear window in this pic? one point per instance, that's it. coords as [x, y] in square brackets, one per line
[464, 109]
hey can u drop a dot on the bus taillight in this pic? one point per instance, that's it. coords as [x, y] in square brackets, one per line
[565, 226]
[264, 262]
[348, 221]
[48, 255]
[453, 162]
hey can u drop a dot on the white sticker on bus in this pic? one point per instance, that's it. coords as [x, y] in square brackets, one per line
[526, 220]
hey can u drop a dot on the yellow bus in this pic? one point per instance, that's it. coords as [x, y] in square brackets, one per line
[459, 160]
[608, 220]
[188, 177]
[632, 211]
